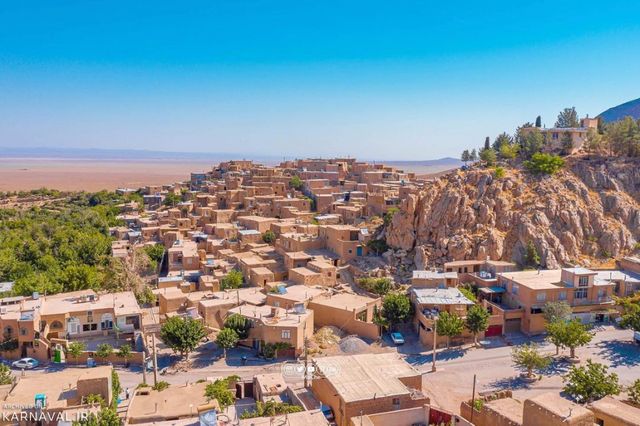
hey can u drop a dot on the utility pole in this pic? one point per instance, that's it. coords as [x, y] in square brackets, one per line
[144, 369]
[306, 361]
[155, 360]
[435, 344]
[473, 397]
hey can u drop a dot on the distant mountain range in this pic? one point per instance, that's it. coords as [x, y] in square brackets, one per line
[142, 155]
[631, 108]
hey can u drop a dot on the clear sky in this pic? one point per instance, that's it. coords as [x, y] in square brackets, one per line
[374, 79]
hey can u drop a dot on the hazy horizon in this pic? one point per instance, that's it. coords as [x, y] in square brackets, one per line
[294, 79]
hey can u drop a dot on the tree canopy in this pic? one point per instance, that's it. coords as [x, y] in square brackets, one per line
[63, 245]
[477, 321]
[590, 382]
[232, 280]
[396, 308]
[182, 335]
[528, 358]
[227, 338]
[568, 117]
[449, 325]
[543, 163]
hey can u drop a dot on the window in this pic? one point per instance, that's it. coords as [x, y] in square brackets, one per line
[23, 331]
[536, 311]
[362, 316]
[396, 402]
[583, 281]
[89, 316]
[514, 288]
[89, 327]
[562, 295]
[580, 293]
[541, 297]
[286, 334]
[8, 332]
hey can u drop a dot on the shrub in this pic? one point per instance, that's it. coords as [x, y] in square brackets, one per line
[498, 172]
[219, 390]
[269, 237]
[295, 182]
[543, 163]
[380, 286]
[528, 358]
[160, 386]
[634, 392]
[388, 216]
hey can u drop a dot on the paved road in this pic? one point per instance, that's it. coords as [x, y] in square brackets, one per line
[494, 370]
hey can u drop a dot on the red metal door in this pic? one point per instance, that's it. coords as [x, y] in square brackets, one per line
[493, 330]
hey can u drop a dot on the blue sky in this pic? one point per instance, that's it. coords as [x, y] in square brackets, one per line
[378, 80]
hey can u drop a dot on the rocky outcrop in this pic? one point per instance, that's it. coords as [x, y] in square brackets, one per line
[584, 214]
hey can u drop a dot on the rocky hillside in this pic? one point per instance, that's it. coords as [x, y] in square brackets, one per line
[585, 214]
[631, 108]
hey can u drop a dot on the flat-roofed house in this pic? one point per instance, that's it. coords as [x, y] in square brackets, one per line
[366, 384]
[350, 312]
[434, 279]
[270, 324]
[590, 299]
[609, 411]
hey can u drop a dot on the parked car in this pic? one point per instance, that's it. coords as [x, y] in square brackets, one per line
[397, 338]
[26, 363]
[328, 412]
[636, 337]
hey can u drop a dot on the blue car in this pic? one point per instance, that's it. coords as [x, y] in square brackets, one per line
[397, 338]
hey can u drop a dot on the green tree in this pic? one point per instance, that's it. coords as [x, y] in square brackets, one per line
[449, 325]
[543, 163]
[124, 352]
[634, 392]
[530, 142]
[477, 321]
[295, 183]
[473, 156]
[107, 416]
[566, 143]
[155, 252]
[538, 121]
[227, 338]
[487, 143]
[575, 334]
[465, 157]
[6, 378]
[590, 382]
[396, 308]
[568, 117]
[528, 358]
[103, 351]
[171, 199]
[556, 311]
[75, 349]
[220, 390]
[145, 296]
[388, 216]
[239, 324]
[232, 280]
[269, 237]
[555, 332]
[182, 335]
[503, 139]
[379, 286]
[531, 256]
[508, 151]
[488, 156]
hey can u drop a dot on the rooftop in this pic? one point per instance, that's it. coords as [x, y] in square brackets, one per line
[617, 409]
[179, 401]
[434, 275]
[304, 418]
[440, 296]
[347, 301]
[544, 279]
[508, 407]
[365, 376]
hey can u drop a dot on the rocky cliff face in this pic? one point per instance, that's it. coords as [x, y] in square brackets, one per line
[582, 215]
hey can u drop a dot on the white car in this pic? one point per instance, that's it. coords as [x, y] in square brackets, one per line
[26, 363]
[397, 338]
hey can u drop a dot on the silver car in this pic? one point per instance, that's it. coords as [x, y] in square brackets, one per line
[25, 363]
